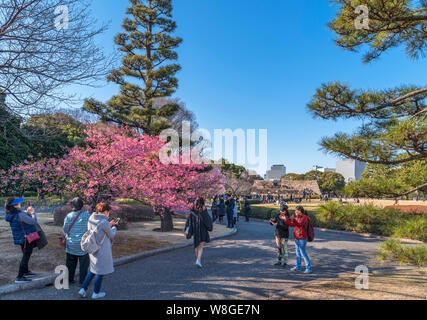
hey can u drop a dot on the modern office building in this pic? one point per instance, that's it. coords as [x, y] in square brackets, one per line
[350, 169]
[322, 169]
[276, 172]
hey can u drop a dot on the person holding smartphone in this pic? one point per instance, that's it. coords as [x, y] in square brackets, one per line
[22, 224]
[300, 224]
[281, 234]
[101, 262]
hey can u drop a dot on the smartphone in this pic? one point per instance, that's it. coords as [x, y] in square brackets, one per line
[117, 220]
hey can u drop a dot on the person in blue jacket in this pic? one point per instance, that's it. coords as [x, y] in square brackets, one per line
[22, 223]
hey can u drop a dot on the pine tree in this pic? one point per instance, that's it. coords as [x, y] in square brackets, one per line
[395, 129]
[148, 44]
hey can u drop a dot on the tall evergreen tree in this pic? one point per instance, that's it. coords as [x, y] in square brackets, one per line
[395, 129]
[148, 44]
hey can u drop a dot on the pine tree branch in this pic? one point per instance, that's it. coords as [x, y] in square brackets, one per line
[413, 190]
[420, 112]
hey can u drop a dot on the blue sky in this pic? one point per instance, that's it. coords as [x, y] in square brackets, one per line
[255, 64]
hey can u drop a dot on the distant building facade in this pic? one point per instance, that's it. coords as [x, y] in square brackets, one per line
[254, 175]
[322, 169]
[350, 169]
[287, 188]
[275, 173]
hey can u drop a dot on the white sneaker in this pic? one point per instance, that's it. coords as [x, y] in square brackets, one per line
[199, 264]
[82, 293]
[98, 295]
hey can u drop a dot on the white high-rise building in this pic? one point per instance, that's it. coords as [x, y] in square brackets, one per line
[350, 169]
[276, 172]
[322, 169]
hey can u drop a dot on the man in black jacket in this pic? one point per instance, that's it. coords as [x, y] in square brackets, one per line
[282, 235]
[230, 203]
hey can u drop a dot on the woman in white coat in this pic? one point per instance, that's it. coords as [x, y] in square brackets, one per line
[101, 263]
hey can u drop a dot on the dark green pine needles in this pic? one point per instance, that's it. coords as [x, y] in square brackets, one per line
[145, 75]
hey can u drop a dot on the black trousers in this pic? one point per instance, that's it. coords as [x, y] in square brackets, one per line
[247, 214]
[230, 219]
[71, 263]
[27, 250]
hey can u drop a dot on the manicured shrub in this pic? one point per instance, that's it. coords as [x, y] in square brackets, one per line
[261, 212]
[126, 212]
[61, 212]
[28, 194]
[393, 250]
[371, 219]
[330, 210]
[413, 228]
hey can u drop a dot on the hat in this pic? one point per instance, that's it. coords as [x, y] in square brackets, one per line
[17, 201]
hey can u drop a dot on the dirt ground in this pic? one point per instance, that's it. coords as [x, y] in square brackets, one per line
[139, 237]
[385, 203]
[390, 283]
[405, 205]
[410, 209]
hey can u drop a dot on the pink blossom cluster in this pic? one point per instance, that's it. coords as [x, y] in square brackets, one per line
[118, 163]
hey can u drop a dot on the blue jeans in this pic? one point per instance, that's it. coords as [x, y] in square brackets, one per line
[300, 245]
[88, 280]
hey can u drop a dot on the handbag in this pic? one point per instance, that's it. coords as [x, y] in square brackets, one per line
[28, 237]
[63, 239]
[187, 229]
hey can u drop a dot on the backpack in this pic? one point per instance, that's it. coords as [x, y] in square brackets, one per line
[89, 243]
[310, 232]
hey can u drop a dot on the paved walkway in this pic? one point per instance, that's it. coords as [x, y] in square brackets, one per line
[239, 267]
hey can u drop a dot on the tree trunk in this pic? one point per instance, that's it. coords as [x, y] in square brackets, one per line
[166, 222]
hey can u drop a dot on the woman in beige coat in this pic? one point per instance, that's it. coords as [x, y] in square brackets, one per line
[101, 262]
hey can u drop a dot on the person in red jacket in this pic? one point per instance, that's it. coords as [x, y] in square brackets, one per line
[300, 224]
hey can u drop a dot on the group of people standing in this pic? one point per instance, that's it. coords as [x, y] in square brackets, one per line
[282, 221]
[76, 224]
[227, 205]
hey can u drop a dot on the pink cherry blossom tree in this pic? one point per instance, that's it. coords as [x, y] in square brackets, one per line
[120, 163]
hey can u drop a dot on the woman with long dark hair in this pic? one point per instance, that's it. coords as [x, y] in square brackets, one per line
[22, 224]
[198, 226]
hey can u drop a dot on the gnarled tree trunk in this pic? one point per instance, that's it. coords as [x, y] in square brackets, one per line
[166, 222]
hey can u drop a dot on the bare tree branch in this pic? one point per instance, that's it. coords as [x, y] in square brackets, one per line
[39, 57]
